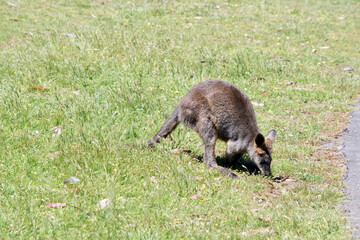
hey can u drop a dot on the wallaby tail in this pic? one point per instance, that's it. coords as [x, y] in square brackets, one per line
[168, 126]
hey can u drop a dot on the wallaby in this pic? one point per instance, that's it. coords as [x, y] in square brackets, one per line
[219, 110]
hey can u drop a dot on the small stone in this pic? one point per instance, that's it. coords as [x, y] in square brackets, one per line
[104, 203]
[71, 180]
[348, 69]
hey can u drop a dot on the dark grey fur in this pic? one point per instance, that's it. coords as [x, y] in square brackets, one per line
[219, 110]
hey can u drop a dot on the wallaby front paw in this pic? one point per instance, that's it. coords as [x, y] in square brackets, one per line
[232, 175]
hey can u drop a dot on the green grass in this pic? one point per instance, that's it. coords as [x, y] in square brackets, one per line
[116, 69]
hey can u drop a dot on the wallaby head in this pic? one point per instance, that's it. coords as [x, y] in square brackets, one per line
[260, 152]
[219, 110]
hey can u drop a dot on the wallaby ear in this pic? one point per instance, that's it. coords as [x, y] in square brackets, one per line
[270, 138]
[259, 140]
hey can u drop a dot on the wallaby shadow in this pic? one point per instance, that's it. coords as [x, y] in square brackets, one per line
[244, 164]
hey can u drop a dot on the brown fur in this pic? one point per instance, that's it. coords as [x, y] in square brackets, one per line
[219, 110]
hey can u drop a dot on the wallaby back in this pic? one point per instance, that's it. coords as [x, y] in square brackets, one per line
[229, 108]
[219, 110]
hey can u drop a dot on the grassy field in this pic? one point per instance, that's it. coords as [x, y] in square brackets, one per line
[82, 79]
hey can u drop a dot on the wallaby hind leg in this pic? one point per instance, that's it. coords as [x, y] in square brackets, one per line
[168, 126]
[208, 135]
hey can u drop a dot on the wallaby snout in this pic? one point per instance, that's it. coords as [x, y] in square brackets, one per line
[262, 154]
[219, 110]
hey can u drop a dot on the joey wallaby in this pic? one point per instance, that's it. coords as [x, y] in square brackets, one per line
[219, 110]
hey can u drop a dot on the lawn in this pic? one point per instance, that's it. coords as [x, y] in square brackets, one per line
[82, 82]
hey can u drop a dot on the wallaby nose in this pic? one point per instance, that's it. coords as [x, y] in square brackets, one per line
[267, 173]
